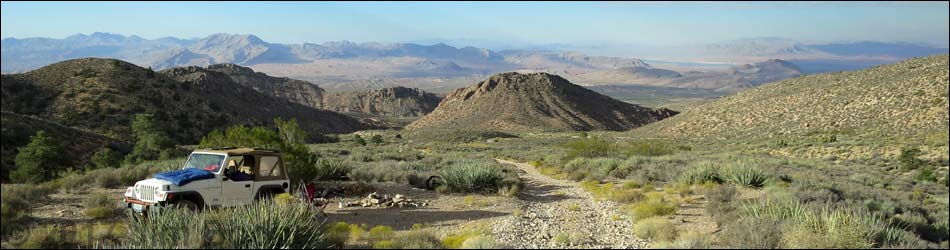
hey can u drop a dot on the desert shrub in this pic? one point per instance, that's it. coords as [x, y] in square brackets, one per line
[752, 233]
[588, 148]
[654, 205]
[480, 242]
[473, 177]
[106, 178]
[649, 148]
[106, 158]
[48, 237]
[702, 172]
[416, 240]
[381, 233]
[455, 241]
[40, 160]
[721, 203]
[656, 229]
[946, 179]
[376, 139]
[359, 140]
[926, 174]
[688, 240]
[15, 206]
[908, 158]
[100, 206]
[745, 174]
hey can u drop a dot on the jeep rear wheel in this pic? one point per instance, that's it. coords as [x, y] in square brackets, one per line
[185, 204]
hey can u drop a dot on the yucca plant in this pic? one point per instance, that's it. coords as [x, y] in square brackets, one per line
[170, 229]
[745, 174]
[703, 172]
[267, 225]
[473, 177]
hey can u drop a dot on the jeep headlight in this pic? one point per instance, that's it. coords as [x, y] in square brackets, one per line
[130, 192]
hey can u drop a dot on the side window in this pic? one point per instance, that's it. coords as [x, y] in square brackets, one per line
[269, 167]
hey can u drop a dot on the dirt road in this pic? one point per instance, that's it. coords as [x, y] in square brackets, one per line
[560, 214]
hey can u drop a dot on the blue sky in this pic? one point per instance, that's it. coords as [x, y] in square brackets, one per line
[635, 23]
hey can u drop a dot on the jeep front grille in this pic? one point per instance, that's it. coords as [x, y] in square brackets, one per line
[146, 193]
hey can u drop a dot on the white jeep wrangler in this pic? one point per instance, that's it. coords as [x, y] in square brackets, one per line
[241, 176]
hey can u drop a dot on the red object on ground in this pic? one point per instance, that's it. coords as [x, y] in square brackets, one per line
[311, 192]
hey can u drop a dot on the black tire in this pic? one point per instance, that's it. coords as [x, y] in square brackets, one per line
[433, 182]
[185, 204]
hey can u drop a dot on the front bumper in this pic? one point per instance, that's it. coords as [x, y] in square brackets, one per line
[140, 207]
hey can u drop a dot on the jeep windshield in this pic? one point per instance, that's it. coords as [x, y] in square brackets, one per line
[206, 162]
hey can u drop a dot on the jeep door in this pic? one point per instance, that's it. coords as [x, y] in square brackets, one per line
[237, 192]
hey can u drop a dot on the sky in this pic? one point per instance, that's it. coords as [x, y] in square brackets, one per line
[588, 23]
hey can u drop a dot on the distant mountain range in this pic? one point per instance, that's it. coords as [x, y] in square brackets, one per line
[346, 66]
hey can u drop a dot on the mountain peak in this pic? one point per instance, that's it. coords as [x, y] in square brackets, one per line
[534, 102]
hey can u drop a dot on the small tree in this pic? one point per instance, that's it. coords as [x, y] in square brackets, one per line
[40, 160]
[359, 140]
[398, 137]
[150, 139]
[909, 160]
[106, 158]
[376, 139]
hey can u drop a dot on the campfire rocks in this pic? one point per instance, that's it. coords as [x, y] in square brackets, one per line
[376, 200]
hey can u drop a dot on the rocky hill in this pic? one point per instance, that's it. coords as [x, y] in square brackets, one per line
[387, 102]
[534, 102]
[103, 95]
[297, 91]
[907, 98]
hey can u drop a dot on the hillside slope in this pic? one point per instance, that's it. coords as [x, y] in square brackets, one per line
[907, 98]
[534, 102]
[80, 145]
[103, 95]
[386, 102]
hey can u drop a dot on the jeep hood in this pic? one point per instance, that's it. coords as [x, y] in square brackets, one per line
[194, 185]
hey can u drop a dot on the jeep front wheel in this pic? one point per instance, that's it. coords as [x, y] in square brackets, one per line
[185, 204]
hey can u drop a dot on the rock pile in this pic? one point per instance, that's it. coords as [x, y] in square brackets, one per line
[376, 200]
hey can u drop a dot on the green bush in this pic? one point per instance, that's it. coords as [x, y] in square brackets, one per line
[649, 148]
[376, 139]
[588, 148]
[299, 161]
[106, 158]
[656, 229]
[359, 140]
[926, 174]
[473, 177]
[151, 139]
[745, 174]
[654, 205]
[703, 172]
[39, 161]
[908, 158]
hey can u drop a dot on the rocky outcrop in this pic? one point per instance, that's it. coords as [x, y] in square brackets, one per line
[387, 102]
